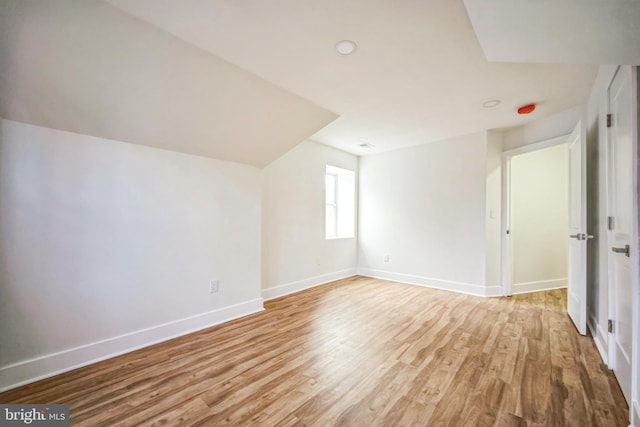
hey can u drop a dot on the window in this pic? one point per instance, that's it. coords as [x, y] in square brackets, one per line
[340, 195]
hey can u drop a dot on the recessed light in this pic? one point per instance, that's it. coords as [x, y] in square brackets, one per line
[346, 47]
[491, 104]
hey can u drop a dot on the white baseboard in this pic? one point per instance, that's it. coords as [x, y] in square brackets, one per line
[542, 285]
[300, 285]
[447, 285]
[38, 368]
[600, 337]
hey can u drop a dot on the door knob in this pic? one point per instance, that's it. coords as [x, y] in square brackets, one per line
[581, 236]
[624, 250]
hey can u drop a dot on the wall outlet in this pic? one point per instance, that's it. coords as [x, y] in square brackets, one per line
[317, 260]
[386, 258]
[213, 286]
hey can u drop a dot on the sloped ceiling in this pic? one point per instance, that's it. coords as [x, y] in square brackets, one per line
[419, 73]
[87, 67]
[246, 80]
[563, 32]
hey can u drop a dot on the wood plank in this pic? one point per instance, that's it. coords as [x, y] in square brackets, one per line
[358, 351]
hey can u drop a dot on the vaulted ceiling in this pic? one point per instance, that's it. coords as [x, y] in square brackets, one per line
[419, 73]
[246, 80]
[86, 67]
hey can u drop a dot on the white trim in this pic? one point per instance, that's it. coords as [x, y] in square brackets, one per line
[635, 257]
[300, 285]
[611, 349]
[505, 246]
[634, 414]
[38, 368]
[600, 337]
[538, 145]
[505, 241]
[541, 285]
[447, 285]
[635, 238]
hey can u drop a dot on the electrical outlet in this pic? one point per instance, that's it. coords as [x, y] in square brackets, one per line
[386, 258]
[213, 286]
[317, 260]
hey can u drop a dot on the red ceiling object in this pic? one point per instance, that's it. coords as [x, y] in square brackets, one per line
[526, 109]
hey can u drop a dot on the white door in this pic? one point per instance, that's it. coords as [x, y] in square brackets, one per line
[620, 224]
[577, 282]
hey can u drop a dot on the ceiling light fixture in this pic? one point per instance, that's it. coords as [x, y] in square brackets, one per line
[491, 104]
[346, 47]
[366, 145]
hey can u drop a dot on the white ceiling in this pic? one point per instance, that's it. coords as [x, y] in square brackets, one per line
[552, 31]
[87, 67]
[246, 80]
[419, 73]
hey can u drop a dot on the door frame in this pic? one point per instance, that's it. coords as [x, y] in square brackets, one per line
[634, 405]
[506, 266]
[635, 257]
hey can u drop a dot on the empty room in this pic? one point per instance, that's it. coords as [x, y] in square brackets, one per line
[356, 213]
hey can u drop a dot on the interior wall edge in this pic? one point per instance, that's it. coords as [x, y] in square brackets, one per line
[538, 286]
[599, 337]
[429, 282]
[300, 285]
[28, 371]
[635, 414]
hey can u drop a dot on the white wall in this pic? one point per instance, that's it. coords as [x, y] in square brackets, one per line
[424, 207]
[539, 218]
[106, 246]
[296, 254]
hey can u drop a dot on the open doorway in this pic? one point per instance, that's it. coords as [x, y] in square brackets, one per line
[536, 217]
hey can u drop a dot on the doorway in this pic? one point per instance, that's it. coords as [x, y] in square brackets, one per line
[621, 225]
[535, 184]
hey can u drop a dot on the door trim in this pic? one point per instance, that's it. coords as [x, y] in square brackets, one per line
[506, 272]
[611, 351]
[635, 257]
[634, 406]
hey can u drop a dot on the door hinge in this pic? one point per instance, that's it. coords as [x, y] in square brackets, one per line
[610, 326]
[610, 223]
[609, 120]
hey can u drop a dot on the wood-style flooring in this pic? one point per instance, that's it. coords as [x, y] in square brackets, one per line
[357, 352]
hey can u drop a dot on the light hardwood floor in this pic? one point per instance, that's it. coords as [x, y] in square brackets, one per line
[357, 352]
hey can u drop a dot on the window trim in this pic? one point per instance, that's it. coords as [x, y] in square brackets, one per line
[344, 193]
[334, 205]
